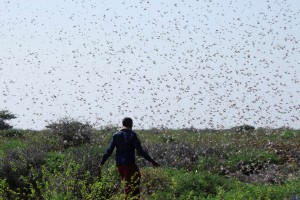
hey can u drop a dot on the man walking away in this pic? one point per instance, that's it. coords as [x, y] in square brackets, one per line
[126, 142]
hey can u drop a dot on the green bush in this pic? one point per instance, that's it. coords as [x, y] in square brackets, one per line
[88, 156]
[12, 133]
[249, 161]
[105, 188]
[289, 134]
[210, 164]
[59, 179]
[11, 144]
[54, 161]
[72, 132]
[154, 180]
[4, 187]
[17, 164]
[188, 185]
[261, 191]
[72, 171]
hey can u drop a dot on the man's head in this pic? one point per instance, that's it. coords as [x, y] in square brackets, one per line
[127, 122]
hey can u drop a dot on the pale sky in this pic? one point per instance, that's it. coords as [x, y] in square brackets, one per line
[166, 63]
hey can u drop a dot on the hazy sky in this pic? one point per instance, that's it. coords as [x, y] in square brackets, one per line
[170, 63]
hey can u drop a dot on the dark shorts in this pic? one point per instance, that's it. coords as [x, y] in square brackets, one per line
[132, 176]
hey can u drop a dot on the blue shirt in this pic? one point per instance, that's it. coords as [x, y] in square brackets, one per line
[125, 141]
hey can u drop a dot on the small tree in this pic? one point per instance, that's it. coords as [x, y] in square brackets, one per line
[72, 132]
[5, 115]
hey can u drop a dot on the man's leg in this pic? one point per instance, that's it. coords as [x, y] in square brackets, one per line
[132, 176]
[134, 180]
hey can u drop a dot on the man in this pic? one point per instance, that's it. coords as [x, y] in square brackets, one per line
[126, 141]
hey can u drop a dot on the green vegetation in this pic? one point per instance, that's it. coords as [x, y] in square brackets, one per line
[71, 132]
[62, 163]
[10, 144]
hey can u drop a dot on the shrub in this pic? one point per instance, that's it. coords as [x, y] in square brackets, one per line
[10, 145]
[154, 180]
[210, 164]
[72, 132]
[289, 134]
[88, 156]
[18, 163]
[251, 161]
[289, 190]
[12, 133]
[4, 189]
[54, 161]
[198, 185]
[178, 155]
[59, 178]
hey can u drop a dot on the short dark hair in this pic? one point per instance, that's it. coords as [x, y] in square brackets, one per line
[127, 122]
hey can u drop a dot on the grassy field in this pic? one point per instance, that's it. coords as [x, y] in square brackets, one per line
[195, 164]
